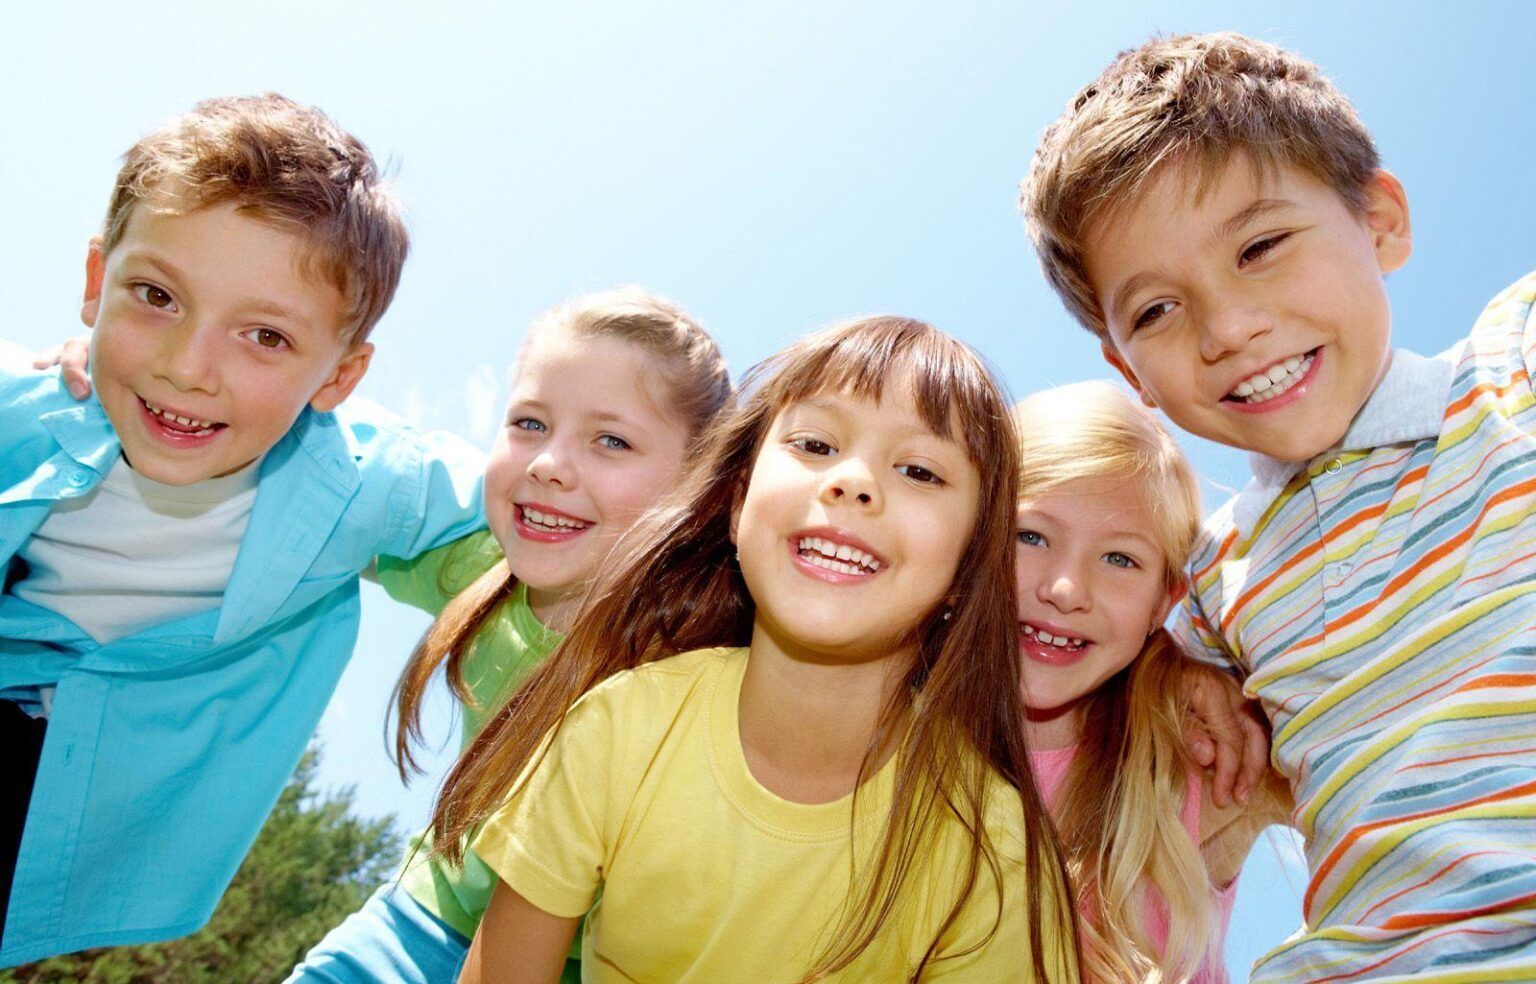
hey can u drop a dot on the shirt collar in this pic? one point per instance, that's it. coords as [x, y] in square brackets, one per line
[1407, 405]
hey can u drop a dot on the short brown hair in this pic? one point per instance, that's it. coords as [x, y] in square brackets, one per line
[1195, 98]
[283, 163]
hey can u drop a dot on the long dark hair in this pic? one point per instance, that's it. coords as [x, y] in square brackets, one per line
[672, 586]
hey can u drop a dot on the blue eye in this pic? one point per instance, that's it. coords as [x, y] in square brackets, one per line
[533, 424]
[1118, 559]
[613, 442]
[1030, 538]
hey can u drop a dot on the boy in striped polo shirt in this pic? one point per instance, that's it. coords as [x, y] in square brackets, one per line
[1212, 208]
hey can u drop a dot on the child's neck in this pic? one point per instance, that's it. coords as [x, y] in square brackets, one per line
[1060, 727]
[806, 723]
[555, 610]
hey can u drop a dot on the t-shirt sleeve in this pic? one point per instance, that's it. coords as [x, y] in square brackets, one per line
[550, 841]
[431, 580]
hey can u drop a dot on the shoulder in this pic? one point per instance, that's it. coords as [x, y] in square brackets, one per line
[27, 395]
[1504, 338]
[25, 392]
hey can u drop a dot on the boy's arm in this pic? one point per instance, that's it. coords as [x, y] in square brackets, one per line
[434, 481]
[431, 580]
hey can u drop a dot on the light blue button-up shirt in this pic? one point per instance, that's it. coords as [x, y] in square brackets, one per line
[167, 748]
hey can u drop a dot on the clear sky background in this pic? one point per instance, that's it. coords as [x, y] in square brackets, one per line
[771, 166]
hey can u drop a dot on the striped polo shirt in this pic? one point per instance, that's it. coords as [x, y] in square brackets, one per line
[1381, 600]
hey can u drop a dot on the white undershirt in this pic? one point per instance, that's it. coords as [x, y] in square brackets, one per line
[133, 553]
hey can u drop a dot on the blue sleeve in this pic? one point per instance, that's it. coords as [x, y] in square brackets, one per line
[431, 480]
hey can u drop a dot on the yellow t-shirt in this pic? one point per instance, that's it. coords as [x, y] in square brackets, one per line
[705, 875]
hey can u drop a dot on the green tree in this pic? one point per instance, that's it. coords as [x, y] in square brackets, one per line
[312, 865]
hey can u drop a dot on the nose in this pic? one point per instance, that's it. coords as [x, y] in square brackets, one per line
[187, 357]
[552, 465]
[1064, 589]
[1229, 328]
[851, 482]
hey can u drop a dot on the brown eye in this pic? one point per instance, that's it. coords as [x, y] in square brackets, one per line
[155, 297]
[267, 338]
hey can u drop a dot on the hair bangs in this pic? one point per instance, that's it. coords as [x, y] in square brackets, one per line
[953, 389]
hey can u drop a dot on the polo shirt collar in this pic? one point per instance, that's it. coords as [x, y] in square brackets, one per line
[1408, 405]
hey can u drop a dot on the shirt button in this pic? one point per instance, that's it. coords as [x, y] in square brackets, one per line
[79, 479]
[1334, 466]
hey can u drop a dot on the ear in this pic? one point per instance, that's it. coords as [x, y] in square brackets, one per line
[1386, 217]
[344, 378]
[1114, 358]
[95, 273]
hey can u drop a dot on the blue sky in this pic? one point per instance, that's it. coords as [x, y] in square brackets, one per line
[773, 167]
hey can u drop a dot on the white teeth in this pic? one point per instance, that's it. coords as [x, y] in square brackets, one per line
[550, 523]
[837, 556]
[1274, 381]
[204, 425]
[1066, 642]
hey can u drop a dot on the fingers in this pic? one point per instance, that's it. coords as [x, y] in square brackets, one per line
[1255, 750]
[47, 358]
[74, 359]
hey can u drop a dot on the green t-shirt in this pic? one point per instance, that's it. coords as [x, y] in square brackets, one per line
[508, 646]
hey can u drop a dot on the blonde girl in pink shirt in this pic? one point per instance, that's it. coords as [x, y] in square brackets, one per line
[1108, 510]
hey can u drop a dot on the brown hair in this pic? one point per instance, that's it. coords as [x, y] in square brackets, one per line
[282, 163]
[698, 384]
[672, 586]
[1119, 816]
[1193, 99]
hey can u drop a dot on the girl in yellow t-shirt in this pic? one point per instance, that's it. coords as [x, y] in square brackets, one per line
[782, 740]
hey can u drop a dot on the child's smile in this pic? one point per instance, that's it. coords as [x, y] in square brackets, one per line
[1091, 588]
[850, 495]
[1251, 310]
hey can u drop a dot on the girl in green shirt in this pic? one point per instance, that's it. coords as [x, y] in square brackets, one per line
[609, 394]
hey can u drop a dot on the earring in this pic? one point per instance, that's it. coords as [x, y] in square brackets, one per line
[947, 614]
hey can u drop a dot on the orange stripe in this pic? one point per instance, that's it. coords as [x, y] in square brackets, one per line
[1357, 833]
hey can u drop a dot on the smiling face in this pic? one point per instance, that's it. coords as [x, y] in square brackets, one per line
[1253, 314]
[208, 340]
[852, 525]
[1092, 585]
[584, 450]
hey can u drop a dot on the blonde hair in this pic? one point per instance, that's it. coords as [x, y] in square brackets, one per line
[697, 387]
[671, 585]
[1193, 99]
[283, 163]
[1120, 827]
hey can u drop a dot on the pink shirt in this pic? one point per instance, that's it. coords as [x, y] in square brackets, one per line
[1050, 768]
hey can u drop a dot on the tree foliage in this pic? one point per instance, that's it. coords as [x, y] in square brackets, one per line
[312, 865]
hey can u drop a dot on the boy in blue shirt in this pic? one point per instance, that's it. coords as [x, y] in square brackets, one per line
[181, 552]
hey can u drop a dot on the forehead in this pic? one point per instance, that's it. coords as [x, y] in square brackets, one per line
[591, 374]
[894, 410]
[1109, 506]
[227, 254]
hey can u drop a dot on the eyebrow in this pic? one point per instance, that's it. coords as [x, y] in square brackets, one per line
[1245, 215]
[1110, 534]
[164, 266]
